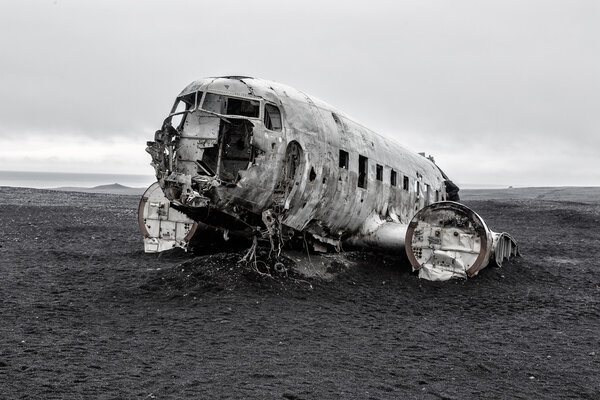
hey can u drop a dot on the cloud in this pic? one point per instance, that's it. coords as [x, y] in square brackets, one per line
[57, 152]
[462, 78]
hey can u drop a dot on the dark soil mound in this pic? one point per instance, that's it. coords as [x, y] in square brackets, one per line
[227, 272]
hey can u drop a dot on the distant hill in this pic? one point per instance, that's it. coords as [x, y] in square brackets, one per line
[113, 188]
[566, 193]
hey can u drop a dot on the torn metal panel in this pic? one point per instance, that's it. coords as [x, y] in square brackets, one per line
[504, 247]
[162, 226]
[241, 154]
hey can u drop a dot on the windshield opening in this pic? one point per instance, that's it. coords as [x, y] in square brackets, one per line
[225, 105]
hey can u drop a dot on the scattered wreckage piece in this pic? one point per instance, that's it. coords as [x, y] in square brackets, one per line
[449, 240]
[162, 226]
[259, 159]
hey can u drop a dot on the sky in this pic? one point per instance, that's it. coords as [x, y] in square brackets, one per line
[499, 92]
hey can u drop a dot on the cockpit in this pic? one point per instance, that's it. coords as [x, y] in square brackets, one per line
[223, 105]
[209, 137]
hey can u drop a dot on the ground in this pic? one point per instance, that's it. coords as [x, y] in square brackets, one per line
[86, 314]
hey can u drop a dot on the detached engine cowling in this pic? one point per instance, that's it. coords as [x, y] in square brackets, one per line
[449, 240]
[162, 226]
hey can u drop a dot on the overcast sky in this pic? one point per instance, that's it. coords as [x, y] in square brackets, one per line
[500, 92]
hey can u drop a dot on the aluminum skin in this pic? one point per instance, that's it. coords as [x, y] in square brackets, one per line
[256, 158]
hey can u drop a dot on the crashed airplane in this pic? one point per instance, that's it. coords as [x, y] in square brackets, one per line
[256, 158]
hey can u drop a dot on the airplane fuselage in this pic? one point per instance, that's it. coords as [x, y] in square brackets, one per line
[244, 146]
[260, 159]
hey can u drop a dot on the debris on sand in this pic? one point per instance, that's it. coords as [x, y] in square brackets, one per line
[294, 271]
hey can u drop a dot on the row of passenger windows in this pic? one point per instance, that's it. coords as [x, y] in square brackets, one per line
[363, 173]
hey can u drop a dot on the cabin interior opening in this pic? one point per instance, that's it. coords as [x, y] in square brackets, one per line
[379, 172]
[393, 178]
[405, 183]
[293, 166]
[233, 152]
[218, 146]
[363, 171]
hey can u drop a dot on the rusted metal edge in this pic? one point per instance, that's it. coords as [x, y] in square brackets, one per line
[477, 265]
[408, 245]
[188, 237]
[141, 223]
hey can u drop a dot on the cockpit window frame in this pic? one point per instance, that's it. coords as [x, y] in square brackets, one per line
[200, 105]
[190, 107]
[182, 98]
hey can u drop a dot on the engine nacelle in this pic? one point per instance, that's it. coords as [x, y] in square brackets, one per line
[449, 240]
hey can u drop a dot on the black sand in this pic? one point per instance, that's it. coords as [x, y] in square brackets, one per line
[86, 314]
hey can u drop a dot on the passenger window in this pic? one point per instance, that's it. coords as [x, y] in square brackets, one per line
[363, 171]
[405, 183]
[379, 172]
[272, 118]
[344, 159]
[393, 178]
